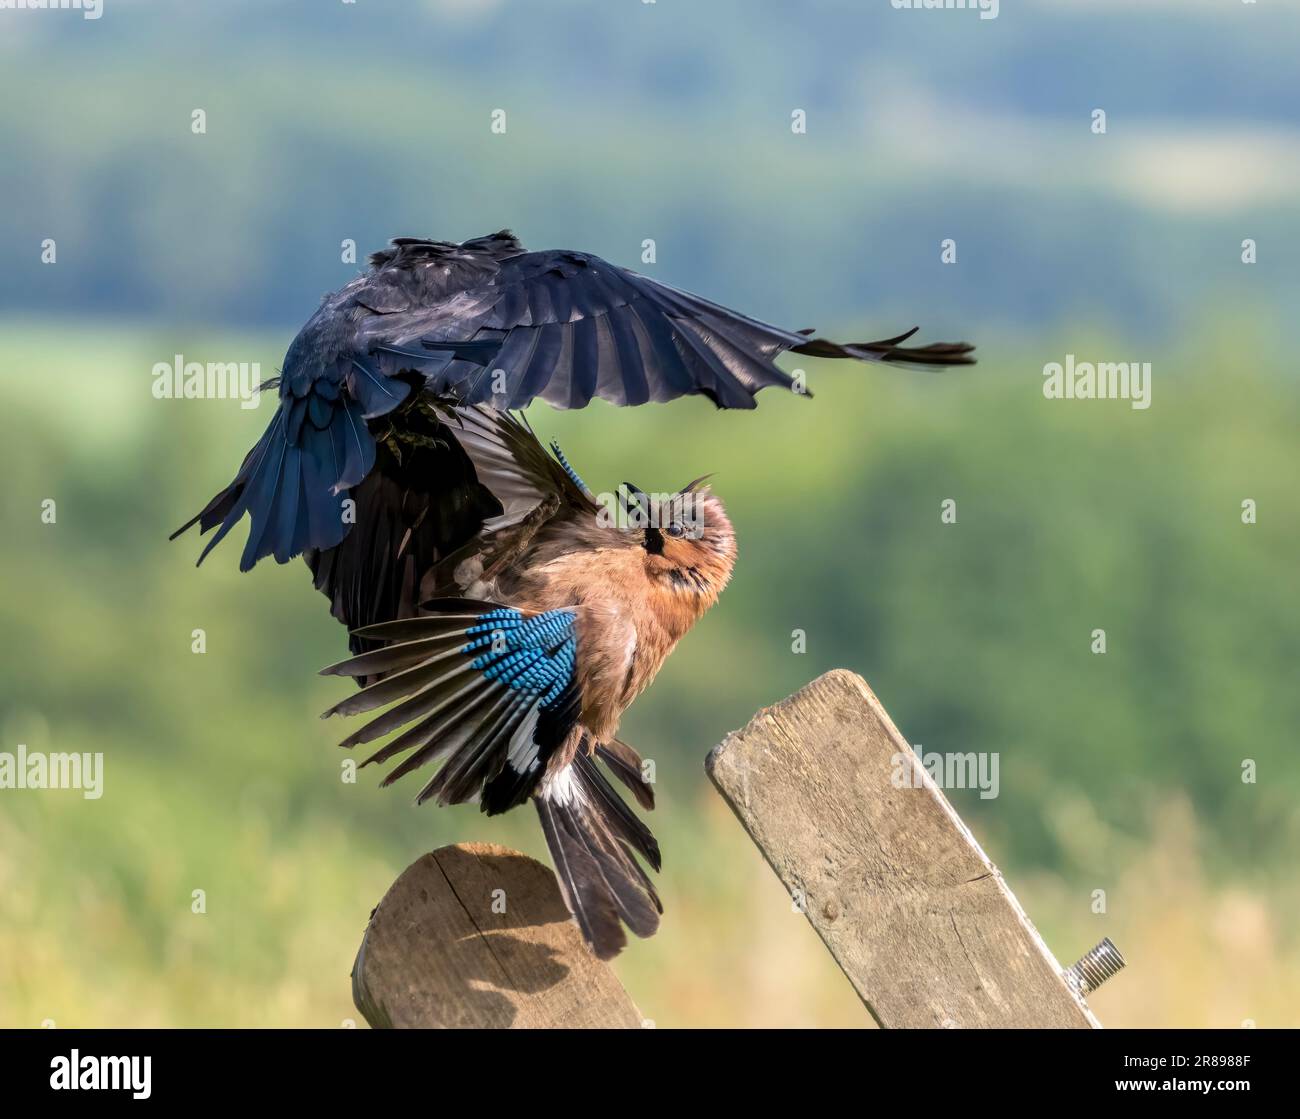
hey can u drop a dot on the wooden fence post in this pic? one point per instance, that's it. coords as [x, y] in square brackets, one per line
[913, 911]
[477, 935]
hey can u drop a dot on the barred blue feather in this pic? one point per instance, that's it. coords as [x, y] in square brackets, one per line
[535, 655]
[574, 477]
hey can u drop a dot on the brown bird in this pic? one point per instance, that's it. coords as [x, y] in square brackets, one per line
[507, 616]
[541, 633]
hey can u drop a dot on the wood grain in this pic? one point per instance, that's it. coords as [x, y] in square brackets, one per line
[436, 954]
[916, 915]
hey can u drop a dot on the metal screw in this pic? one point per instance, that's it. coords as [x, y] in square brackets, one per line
[1095, 968]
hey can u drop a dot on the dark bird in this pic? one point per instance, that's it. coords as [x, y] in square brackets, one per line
[507, 616]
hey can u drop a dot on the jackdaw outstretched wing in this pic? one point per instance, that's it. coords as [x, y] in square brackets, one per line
[480, 322]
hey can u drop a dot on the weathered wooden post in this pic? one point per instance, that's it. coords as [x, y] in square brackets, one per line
[918, 918]
[477, 935]
[913, 911]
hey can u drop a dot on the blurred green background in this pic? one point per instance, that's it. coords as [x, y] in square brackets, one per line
[671, 121]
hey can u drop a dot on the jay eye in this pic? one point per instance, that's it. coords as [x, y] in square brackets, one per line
[675, 529]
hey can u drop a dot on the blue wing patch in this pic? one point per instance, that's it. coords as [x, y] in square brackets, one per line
[534, 655]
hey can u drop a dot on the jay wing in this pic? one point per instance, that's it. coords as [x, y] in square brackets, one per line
[491, 693]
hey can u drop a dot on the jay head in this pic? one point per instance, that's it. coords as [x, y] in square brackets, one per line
[501, 618]
[689, 544]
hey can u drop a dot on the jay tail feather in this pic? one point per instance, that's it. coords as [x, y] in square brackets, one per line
[499, 624]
